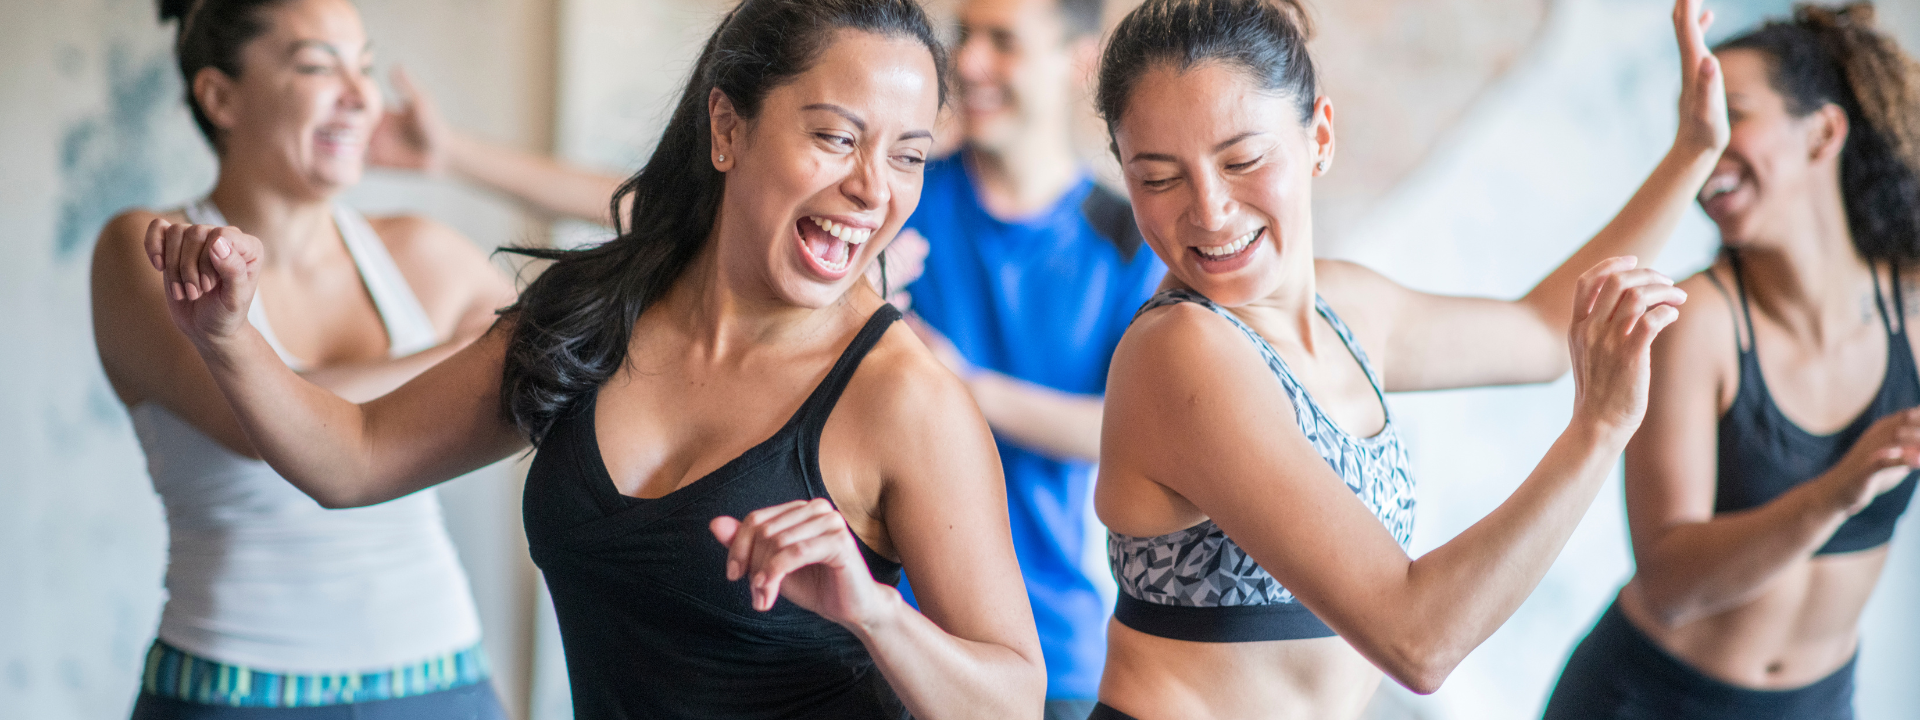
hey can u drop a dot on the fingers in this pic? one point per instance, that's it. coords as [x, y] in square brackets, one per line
[170, 261]
[155, 243]
[187, 263]
[1587, 289]
[740, 547]
[819, 540]
[773, 542]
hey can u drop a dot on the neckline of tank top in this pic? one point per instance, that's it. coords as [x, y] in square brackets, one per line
[823, 398]
[1896, 340]
[402, 318]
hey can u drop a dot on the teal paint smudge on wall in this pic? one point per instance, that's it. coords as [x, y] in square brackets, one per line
[111, 161]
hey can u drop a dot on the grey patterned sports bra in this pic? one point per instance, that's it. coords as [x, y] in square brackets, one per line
[1196, 584]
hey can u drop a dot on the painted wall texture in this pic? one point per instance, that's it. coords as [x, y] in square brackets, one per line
[1481, 142]
[92, 121]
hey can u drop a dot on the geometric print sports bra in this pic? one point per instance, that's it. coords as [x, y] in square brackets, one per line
[1196, 584]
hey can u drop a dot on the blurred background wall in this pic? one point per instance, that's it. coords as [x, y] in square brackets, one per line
[1481, 140]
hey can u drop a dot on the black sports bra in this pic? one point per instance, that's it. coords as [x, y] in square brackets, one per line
[651, 626]
[1763, 454]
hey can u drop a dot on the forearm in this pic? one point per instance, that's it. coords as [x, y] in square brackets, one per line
[537, 180]
[1053, 423]
[312, 437]
[1641, 229]
[360, 382]
[940, 676]
[1463, 591]
[1702, 568]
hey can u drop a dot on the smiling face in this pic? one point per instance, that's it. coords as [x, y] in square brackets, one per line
[825, 176]
[1774, 163]
[1220, 175]
[1015, 67]
[299, 114]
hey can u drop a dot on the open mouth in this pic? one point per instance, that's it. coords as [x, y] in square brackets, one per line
[829, 245]
[1719, 191]
[336, 140]
[1230, 251]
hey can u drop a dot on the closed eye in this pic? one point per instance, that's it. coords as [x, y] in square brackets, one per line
[835, 140]
[1236, 167]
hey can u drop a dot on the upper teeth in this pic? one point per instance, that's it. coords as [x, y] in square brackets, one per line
[1232, 247]
[852, 235]
[1719, 185]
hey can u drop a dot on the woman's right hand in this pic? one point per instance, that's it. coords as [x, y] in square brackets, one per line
[208, 274]
[1703, 91]
[1618, 311]
[1878, 461]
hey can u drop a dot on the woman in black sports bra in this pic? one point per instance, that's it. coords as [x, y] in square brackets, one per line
[1780, 436]
[739, 452]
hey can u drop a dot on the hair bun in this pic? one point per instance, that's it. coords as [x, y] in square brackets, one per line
[175, 9]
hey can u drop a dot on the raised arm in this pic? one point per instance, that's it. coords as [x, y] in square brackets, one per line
[974, 652]
[414, 137]
[1179, 407]
[1691, 562]
[1529, 330]
[442, 424]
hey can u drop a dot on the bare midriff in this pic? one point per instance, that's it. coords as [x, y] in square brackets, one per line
[1801, 629]
[1156, 678]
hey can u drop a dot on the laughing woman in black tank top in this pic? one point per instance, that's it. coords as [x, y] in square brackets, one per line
[1781, 434]
[739, 451]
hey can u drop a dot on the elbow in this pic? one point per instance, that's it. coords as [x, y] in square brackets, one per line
[1423, 665]
[337, 499]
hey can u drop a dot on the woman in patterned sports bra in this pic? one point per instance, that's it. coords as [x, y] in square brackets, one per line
[1251, 473]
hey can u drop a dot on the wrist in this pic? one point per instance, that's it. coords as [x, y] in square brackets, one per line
[1693, 156]
[880, 615]
[1601, 433]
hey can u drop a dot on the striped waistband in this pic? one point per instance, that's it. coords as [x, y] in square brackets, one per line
[176, 674]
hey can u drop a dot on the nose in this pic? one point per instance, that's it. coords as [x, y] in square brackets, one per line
[1213, 203]
[359, 92]
[866, 185]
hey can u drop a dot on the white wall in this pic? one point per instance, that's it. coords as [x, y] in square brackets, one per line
[92, 121]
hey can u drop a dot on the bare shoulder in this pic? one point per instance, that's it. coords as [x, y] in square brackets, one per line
[1180, 338]
[120, 252]
[1362, 296]
[901, 385]
[446, 271]
[413, 239]
[1706, 326]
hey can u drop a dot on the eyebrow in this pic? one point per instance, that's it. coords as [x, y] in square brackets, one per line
[861, 125]
[1163, 157]
[299, 45]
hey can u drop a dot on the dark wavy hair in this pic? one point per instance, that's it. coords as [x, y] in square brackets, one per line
[211, 35]
[1266, 39]
[572, 325]
[1824, 56]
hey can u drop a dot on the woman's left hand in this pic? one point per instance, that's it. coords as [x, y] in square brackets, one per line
[803, 551]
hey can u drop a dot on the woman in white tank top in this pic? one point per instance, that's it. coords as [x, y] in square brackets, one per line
[276, 605]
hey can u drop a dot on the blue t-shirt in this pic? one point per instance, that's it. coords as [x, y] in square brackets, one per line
[1044, 299]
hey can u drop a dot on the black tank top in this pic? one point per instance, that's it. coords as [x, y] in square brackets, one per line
[651, 626]
[1763, 454]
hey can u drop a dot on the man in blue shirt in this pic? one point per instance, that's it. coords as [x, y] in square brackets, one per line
[1032, 274]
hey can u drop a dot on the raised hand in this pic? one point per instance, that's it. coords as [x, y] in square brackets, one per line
[802, 551]
[1879, 460]
[411, 137]
[1618, 310]
[1703, 91]
[208, 274]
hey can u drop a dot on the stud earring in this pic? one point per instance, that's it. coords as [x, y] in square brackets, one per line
[723, 158]
[1322, 165]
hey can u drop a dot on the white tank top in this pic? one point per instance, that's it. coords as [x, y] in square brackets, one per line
[258, 574]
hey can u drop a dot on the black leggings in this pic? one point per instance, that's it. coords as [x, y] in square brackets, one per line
[1618, 673]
